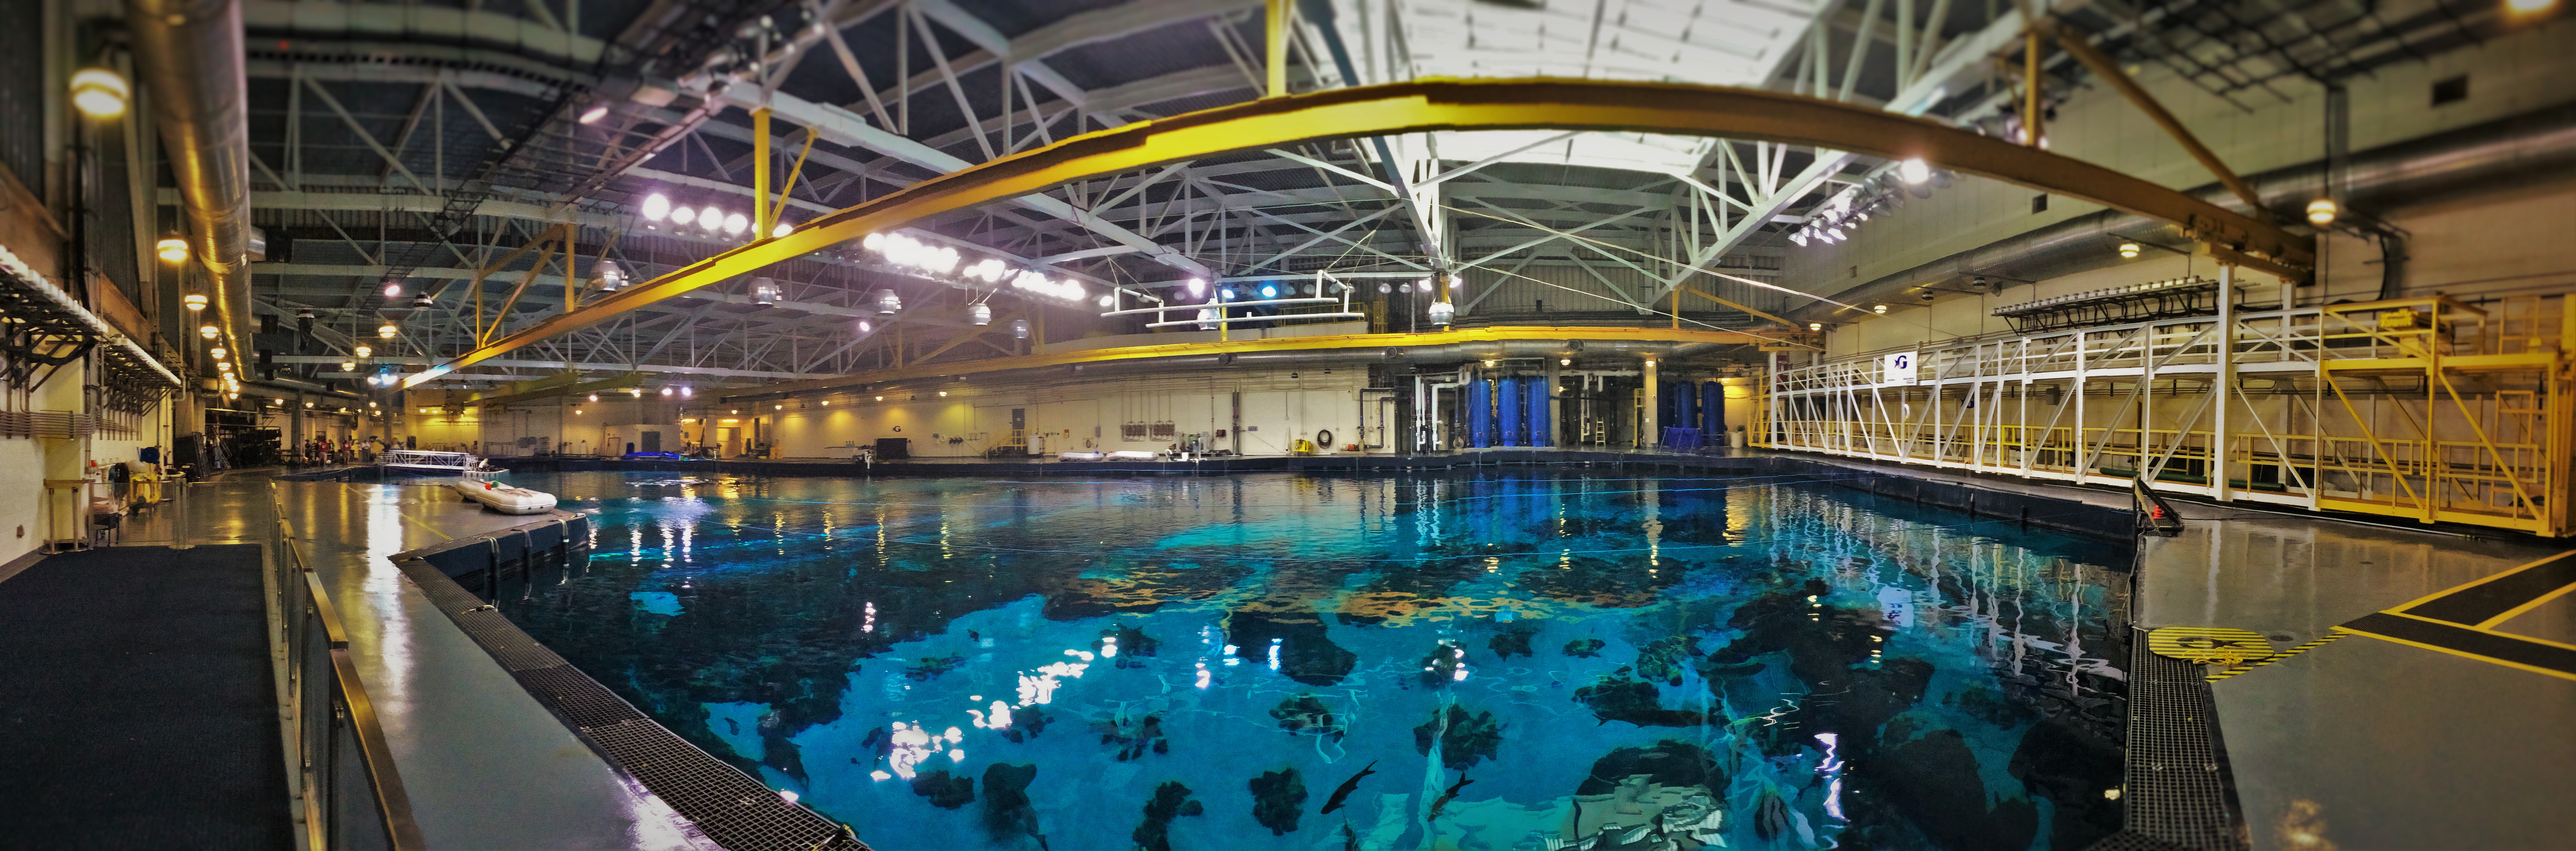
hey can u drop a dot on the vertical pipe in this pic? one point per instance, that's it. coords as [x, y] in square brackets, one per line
[2030, 86]
[1276, 33]
[760, 209]
[2226, 386]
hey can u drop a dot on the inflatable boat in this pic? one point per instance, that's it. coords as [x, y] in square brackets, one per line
[1131, 455]
[1077, 456]
[505, 498]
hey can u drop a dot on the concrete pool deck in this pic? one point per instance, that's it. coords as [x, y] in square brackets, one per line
[486, 766]
[2359, 742]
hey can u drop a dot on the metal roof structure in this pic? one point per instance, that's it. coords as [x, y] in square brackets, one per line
[418, 149]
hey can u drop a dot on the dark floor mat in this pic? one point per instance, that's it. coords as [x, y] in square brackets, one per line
[137, 708]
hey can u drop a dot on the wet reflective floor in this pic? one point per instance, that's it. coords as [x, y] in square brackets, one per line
[1282, 661]
[485, 766]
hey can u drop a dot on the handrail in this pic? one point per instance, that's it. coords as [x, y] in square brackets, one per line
[391, 801]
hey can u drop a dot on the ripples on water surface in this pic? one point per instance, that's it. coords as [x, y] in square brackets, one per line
[1501, 661]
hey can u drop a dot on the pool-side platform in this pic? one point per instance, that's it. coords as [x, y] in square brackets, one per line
[2357, 738]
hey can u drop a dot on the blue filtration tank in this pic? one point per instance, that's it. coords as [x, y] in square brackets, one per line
[1712, 412]
[1683, 406]
[1507, 406]
[1541, 432]
[1480, 413]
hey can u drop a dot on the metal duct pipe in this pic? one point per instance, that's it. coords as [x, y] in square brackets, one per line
[1440, 354]
[189, 53]
[2468, 159]
[309, 387]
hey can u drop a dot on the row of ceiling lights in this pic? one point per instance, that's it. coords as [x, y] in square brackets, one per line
[658, 208]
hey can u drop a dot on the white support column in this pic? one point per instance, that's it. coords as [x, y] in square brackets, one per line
[1650, 432]
[2083, 465]
[2226, 386]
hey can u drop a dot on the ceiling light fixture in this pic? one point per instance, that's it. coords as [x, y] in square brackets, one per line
[99, 93]
[657, 207]
[207, 331]
[173, 250]
[2321, 212]
[593, 114]
[679, 216]
[1913, 171]
[387, 331]
[194, 301]
[2128, 250]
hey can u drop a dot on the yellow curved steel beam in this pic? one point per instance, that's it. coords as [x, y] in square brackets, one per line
[1494, 334]
[1430, 105]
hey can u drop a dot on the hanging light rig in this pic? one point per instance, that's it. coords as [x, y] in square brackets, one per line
[1215, 312]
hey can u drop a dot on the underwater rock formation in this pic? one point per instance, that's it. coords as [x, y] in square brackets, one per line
[1617, 698]
[1464, 737]
[1513, 640]
[1007, 811]
[1307, 714]
[1305, 654]
[1278, 799]
[1133, 734]
[1171, 800]
[945, 791]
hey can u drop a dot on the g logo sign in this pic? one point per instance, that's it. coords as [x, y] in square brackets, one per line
[1899, 368]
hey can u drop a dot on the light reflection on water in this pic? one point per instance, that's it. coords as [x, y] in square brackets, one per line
[1502, 661]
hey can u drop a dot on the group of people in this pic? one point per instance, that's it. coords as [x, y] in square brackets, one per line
[324, 450]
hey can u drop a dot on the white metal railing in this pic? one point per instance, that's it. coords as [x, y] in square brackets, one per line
[2421, 407]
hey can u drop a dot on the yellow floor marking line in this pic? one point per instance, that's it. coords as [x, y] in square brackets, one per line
[2475, 583]
[2537, 669]
[2517, 611]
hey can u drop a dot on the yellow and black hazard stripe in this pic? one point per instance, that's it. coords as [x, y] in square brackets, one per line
[2218, 645]
[2243, 667]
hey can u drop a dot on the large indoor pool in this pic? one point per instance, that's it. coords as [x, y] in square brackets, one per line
[1524, 660]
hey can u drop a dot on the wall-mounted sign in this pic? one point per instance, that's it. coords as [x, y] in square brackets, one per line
[1898, 368]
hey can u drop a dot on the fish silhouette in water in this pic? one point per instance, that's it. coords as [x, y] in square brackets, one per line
[1343, 792]
[1445, 797]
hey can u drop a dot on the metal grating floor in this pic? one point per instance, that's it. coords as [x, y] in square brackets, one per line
[735, 810]
[2174, 778]
[580, 699]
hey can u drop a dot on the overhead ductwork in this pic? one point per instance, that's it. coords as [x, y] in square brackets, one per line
[1432, 358]
[2524, 147]
[189, 54]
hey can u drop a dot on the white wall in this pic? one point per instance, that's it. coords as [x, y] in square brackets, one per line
[1279, 407]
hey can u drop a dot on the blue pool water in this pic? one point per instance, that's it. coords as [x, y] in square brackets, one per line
[1527, 660]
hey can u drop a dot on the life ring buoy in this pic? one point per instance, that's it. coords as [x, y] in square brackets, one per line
[1324, 437]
